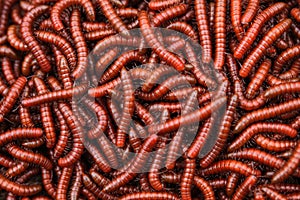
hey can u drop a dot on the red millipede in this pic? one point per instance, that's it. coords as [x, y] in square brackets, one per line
[155, 75]
[182, 93]
[3, 39]
[63, 135]
[258, 128]
[274, 145]
[160, 5]
[205, 187]
[105, 60]
[18, 189]
[93, 26]
[6, 161]
[285, 56]
[14, 40]
[150, 196]
[230, 165]
[31, 144]
[258, 79]
[266, 113]
[17, 169]
[268, 39]
[77, 133]
[99, 34]
[29, 39]
[220, 34]
[47, 177]
[164, 87]
[223, 133]
[168, 14]
[27, 156]
[5, 11]
[199, 140]
[80, 43]
[91, 186]
[236, 14]
[295, 13]
[157, 47]
[60, 43]
[64, 73]
[54, 96]
[293, 72]
[231, 184]
[128, 108]
[7, 71]
[109, 151]
[64, 182]
[10, 99]
[184, 28]
[110, 13]
[59, 6]
[187, 178]
[195, 116]
[46, 115]
[260, 157]
[245, 187]
[7, 51]
[120, 62]
[250, 11]
[87, 194]
[272, 194]
[203, 29]
[256, 26]
[289, 167]
[144, 114]
[99, 179]
[284, 88]
[139, 161]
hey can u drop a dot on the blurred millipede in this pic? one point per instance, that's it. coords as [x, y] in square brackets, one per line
[272, 194]
[7, 51]
[295, 12]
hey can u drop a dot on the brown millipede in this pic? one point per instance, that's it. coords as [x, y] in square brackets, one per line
[285, 56]
[295, 13]
[187, 178]
[231, 184]
[245, 187]
[169, 13]
[14, 40]
[63, 183]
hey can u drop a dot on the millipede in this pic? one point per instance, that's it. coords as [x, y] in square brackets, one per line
[177, 99]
